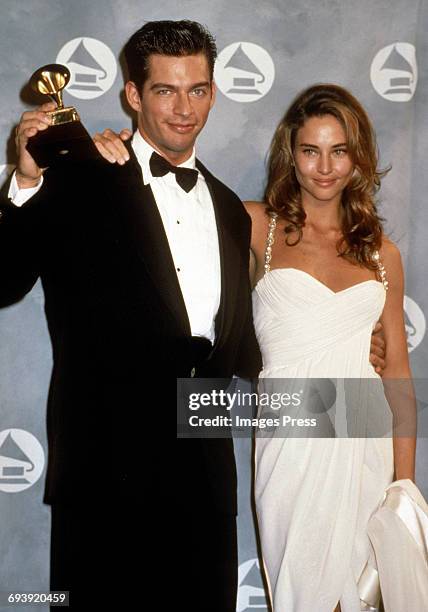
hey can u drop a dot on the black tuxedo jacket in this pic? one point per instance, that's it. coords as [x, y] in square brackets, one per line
[121, 335]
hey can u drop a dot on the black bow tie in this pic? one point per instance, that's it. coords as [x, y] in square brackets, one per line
[185, 177]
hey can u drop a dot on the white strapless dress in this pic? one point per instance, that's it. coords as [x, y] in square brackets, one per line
[314, 496]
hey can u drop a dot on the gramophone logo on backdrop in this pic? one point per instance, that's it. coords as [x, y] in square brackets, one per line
[251, 594]
[92, 65]
[21, 460]
[415, 323]
[244, 72]
[394, 72]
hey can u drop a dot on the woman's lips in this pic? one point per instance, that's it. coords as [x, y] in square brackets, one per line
[325, 183]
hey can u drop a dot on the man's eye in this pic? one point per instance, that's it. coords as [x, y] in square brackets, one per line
[163, 92]
[198, 92]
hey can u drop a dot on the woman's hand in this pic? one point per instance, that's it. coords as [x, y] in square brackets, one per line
[111, 145]
[378, 349]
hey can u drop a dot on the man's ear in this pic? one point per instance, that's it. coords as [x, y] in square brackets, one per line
[133, 95]
[213, 93]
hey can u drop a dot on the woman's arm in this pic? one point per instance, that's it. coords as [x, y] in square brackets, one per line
[397, 375]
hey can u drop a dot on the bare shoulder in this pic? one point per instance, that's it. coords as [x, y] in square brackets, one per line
[389, 252]
[259, 218]
[255, 209]
[259, 227]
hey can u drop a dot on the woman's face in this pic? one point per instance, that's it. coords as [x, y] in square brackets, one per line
[322, 163]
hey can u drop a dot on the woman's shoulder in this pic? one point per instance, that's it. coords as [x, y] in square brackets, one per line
[259, 223]
[258, 212]
[389, 251]
[255, 209]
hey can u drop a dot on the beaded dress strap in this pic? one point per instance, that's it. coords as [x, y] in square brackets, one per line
[270, 240]
[381, 270]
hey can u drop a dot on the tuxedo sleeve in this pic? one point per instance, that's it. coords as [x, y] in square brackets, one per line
[249, 361]
[22, 241]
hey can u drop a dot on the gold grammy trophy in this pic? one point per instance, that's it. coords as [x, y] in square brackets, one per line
[65, 138]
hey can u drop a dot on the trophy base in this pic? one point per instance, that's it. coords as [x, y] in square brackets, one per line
[66, 140]
[64, 115]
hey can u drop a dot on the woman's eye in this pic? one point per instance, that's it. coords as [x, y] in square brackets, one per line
[309, 152]
[341, 152]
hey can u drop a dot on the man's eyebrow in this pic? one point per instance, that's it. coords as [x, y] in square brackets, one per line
[161, 86]
[201, 84]
[173, 87]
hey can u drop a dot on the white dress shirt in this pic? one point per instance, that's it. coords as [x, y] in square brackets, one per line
[190, 226]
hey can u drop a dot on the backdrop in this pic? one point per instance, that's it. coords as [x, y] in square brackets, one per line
[269, 50]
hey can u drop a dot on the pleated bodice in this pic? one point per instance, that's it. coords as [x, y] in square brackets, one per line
[305, 329]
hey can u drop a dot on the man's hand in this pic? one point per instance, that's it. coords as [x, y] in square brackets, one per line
[28, 172]
[110, 145]
[377, 349]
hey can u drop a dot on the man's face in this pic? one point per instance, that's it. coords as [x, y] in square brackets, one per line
[175, 102]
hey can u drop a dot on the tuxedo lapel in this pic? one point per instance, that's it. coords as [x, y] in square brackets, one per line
[145, 227]
[229, 259]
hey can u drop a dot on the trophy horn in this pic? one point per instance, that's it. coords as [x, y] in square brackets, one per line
[50, 80]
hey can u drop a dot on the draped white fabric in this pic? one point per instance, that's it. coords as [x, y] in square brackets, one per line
[398, 532]
[315, 496]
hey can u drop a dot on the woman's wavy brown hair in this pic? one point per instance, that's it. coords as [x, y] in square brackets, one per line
[361, 225]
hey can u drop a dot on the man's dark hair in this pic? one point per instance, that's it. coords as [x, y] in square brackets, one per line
[173, 38]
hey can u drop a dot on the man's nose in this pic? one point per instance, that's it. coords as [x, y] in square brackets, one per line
[183, 105]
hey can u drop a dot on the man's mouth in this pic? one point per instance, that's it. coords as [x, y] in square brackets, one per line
[182, 128]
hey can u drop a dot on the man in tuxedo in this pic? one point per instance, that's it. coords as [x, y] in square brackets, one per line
[145, 273]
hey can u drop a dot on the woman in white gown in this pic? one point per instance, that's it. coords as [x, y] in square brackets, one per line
[324, 273]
